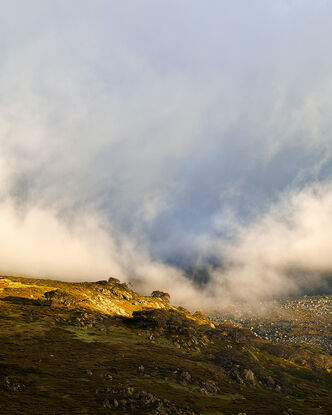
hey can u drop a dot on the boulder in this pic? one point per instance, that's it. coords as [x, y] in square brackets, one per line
[162, 295]
[249, 377]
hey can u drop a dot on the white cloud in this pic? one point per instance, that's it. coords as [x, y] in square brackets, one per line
[286, 250]
[151, 116]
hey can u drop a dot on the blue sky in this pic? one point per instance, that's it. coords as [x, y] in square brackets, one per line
[174, 125]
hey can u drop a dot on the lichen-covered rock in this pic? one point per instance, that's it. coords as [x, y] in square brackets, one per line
[209, 387]
[249, 377]
[60, 297]
[162, 295]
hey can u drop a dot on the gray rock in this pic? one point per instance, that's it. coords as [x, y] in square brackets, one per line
[209, 387]
[249, 376]
[186, 376]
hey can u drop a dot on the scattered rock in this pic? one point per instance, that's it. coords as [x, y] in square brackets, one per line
[12, 384]
[129, 399]
[209, 387]
[277, 388]
[106, 404]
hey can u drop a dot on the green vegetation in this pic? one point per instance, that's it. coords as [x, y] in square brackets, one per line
[100, 348]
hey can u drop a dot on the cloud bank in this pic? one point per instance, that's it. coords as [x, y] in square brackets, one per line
[284, 251]
[139, 139]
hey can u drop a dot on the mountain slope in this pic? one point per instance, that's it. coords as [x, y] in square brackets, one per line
[100, 348]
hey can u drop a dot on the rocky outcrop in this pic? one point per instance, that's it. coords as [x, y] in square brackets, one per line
[162, 295]
[60, 297]
[131, 399]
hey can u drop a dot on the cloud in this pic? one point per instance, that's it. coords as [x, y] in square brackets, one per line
[284, 251]
[37, 242]
[138, 130]
[40, 243]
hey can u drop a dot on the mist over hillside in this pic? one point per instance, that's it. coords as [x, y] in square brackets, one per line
[181, 146]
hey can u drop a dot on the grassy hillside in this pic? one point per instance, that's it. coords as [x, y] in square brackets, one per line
[100, 348]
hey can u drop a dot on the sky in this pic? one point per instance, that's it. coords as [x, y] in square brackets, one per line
[144, 138]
